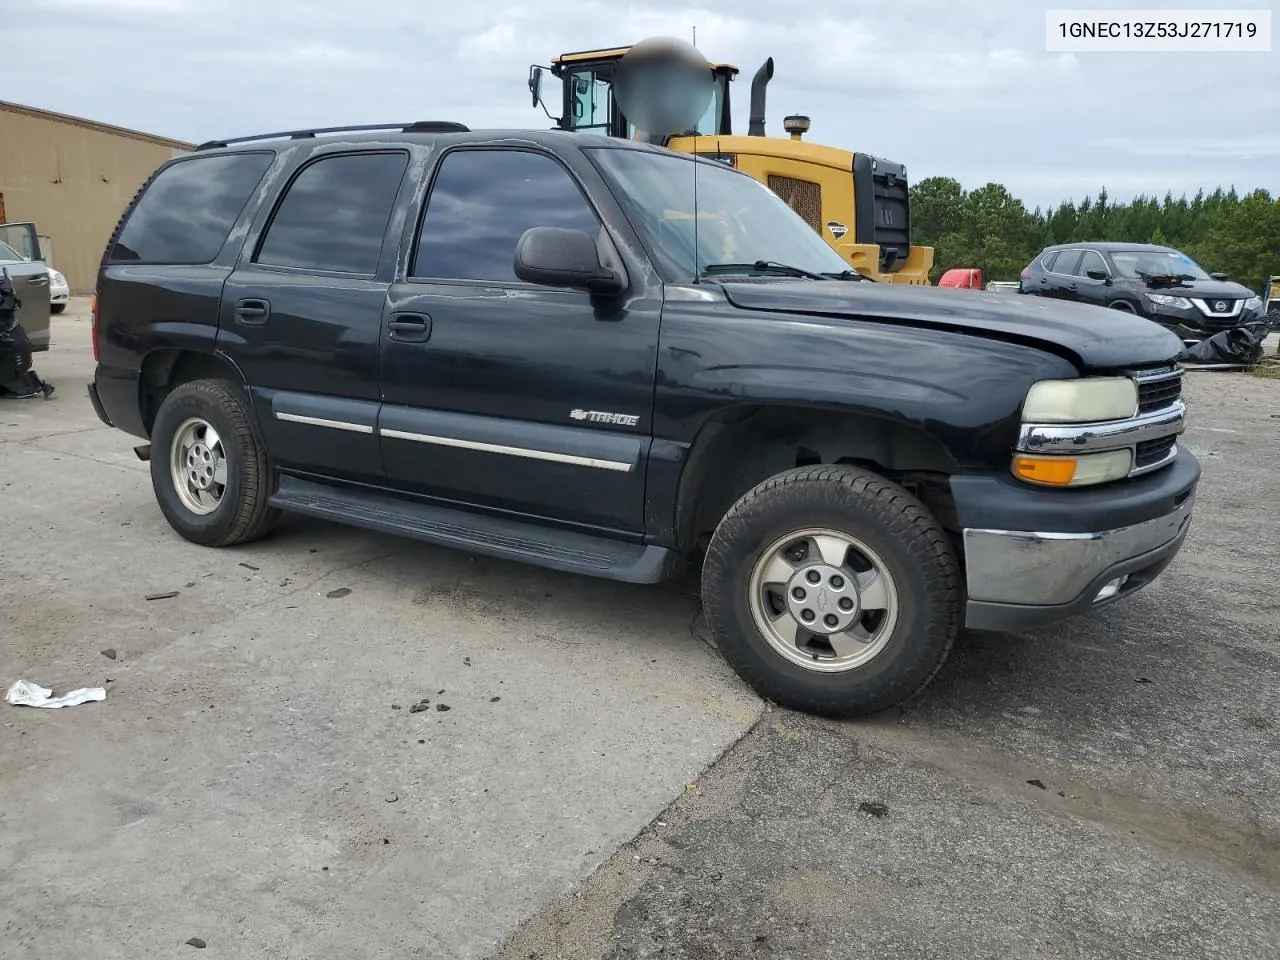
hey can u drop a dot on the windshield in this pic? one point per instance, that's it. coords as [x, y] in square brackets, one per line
[740, 220]
[8, 253]
[592, 106]
[1131, 263]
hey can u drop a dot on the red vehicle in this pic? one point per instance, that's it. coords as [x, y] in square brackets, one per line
[963, 278]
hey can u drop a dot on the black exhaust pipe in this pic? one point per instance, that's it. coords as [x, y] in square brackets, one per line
[755, 125]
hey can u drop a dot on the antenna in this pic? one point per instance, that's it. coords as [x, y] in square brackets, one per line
[696, 272]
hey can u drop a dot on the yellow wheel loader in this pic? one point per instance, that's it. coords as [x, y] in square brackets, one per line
[857, 202]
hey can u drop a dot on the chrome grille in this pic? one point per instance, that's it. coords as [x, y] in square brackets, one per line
[1150, 452]
[1157, 390]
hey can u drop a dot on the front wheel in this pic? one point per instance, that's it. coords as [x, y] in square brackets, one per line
[833, 591]
[209, 468]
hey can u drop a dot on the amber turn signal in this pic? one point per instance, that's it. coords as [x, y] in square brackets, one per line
[1056, 471]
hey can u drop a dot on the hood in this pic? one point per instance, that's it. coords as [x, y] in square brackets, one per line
[1203, 289]
[1094, 337]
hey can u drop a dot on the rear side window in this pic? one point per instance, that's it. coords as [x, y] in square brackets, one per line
[190, 207]
[334, 215]
[1047, 260]
[1067, 262]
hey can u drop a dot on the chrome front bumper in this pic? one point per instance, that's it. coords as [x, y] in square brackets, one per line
[1020, 579]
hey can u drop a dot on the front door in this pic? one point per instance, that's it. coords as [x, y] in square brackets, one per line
[301, 313]
[504, 394]
[20, 258]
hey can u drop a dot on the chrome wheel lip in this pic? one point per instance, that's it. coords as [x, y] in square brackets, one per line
[884, 586]
[198, 466]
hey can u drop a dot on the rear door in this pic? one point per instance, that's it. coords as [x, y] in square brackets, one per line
[1088, 290]
[302, 311]
[20, 258]
[1061, 278]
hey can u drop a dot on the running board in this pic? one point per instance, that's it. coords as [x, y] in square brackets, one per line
[517, 540]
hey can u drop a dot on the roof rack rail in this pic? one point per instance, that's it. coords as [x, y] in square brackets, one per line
[418, 126]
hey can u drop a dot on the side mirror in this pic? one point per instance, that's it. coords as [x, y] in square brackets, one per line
[1219, 276]
[1096, 274]
[555, 257]
[535, 84]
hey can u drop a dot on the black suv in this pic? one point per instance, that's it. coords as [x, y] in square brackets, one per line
[1159, 283]
[536, 345]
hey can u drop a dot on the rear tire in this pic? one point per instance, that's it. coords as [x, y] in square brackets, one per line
[209, 468]
[874, 573]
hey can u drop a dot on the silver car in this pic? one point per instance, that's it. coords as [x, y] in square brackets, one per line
[20, 257]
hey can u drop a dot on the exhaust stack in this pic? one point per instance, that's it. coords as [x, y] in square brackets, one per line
[755, 126]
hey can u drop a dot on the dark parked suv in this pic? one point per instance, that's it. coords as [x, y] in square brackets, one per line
[534, 345]
[1159, 283]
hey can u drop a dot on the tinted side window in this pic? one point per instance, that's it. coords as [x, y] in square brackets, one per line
[481, 203]
[335, 213]
[1067, 262]
[1090, 261]
[190, 207]
[1047, 260]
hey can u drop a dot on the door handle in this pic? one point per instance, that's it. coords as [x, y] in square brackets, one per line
[409, 328]
[39, 280]
[252, 313]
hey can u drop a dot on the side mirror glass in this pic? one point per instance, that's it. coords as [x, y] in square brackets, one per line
[556, 257]
[535, 84]
[1096, 274]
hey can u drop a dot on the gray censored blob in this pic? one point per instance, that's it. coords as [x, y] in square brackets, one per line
[664, 85]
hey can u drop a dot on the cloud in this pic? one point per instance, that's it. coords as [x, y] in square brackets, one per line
[1244, 148]
[958, 89]
[116, 6]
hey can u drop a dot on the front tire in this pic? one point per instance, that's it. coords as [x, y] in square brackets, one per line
[831, 590]
[209, 468]
[57, 307]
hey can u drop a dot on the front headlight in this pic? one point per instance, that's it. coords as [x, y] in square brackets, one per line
[1167, 301]
[1089, 400]
[1253, 303]
[57, 278]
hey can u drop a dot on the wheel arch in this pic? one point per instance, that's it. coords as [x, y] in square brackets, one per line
[165, 368]
[739, 447]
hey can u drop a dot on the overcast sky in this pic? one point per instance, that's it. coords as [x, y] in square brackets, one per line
[963, 88]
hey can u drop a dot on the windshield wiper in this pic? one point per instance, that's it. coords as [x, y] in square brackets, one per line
[846, 275]
[761, 266]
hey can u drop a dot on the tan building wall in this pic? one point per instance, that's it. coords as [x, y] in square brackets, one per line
[73, 178]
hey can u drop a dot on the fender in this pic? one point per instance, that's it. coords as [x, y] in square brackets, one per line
[940, 400]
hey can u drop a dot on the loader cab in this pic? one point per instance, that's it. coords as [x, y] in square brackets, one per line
[588, 104]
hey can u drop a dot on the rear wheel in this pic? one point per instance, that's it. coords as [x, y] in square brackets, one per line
[209, 468]
[833, 591]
